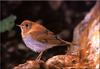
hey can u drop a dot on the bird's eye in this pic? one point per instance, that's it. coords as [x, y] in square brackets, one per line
[26, 25]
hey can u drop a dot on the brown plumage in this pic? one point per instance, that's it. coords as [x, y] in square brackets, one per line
[37, 37]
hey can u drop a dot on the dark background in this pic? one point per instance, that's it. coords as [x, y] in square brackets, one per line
[66, 17]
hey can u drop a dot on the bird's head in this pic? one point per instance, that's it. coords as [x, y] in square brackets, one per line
[25, 26]
[30, 26]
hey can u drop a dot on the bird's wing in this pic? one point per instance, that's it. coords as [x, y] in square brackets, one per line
[46, 37]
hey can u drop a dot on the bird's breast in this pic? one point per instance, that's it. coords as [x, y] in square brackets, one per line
[33, 44]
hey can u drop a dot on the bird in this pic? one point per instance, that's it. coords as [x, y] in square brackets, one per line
[38, 38]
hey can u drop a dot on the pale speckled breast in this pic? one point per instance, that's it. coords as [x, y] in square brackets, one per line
[35, 45]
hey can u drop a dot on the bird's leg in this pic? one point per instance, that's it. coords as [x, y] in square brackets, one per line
[39, 56]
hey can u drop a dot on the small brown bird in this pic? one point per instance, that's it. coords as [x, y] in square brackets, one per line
[37, 37]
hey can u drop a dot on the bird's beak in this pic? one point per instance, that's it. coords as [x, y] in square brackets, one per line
[18, 25]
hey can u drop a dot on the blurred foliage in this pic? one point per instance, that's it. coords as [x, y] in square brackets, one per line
[7, 23]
